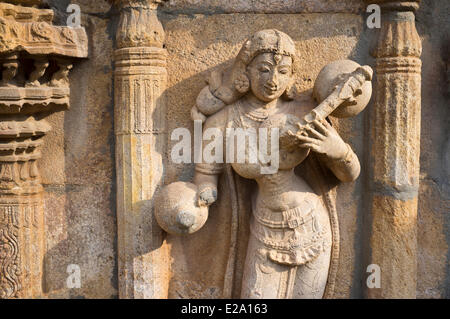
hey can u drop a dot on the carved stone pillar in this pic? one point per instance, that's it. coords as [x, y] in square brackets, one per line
[29, 43]
[140, 80]
[395, 150]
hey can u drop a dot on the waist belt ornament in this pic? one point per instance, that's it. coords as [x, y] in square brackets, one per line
[292, 237]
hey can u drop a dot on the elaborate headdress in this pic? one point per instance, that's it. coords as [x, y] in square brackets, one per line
[266, 41]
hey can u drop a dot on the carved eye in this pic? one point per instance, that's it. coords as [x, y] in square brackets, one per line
[284, 71]
[264, 70]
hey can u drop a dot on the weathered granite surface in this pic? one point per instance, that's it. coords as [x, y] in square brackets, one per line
[264, 6]
[77, 166]
[434, 193]
[78, 171]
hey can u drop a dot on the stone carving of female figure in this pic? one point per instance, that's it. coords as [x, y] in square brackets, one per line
[291, 238]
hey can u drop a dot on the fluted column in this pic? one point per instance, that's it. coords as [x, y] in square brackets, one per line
[395, 150]
[140, 81]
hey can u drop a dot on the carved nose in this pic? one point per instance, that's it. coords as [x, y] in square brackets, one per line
[273, 81]
[185, 219]
[271, 85]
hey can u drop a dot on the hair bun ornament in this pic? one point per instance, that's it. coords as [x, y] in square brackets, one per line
[176, 210]
[242, 83]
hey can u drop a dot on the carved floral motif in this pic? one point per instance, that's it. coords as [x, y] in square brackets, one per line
[9, 252]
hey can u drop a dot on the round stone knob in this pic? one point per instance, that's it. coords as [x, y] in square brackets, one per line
[176, 209]
[186, 219]
[327, 80]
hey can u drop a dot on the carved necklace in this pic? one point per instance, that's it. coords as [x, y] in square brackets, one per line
[257, 115]
[244, 119]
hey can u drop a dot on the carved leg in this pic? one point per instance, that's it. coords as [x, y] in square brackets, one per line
[311, 278]
[40, 65]
[265, 279]
[10, 67]
[61, 77]
[262, 278]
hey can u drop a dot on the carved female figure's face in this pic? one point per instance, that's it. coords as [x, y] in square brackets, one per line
[270, 75]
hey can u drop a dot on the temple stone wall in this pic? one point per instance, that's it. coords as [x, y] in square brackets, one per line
[77, 166]
[78, 171]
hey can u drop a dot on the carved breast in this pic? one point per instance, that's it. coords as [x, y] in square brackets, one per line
[260, 151]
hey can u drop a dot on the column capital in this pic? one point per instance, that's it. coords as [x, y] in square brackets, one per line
[123, 4]
[398, 36]
[138, 25]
